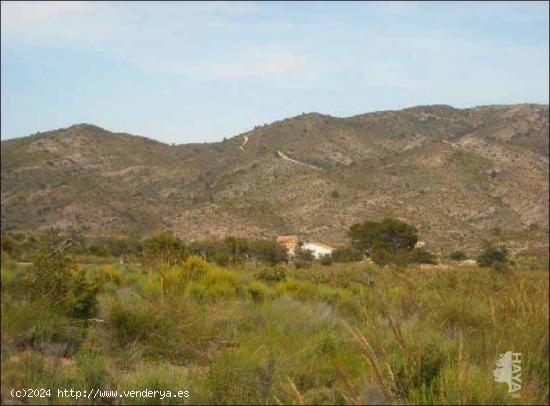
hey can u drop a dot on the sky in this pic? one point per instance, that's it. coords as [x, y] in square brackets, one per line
[183, 72]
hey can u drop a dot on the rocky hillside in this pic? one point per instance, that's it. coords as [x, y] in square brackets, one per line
[460, 175]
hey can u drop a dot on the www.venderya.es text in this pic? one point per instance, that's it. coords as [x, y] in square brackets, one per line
[96, 393]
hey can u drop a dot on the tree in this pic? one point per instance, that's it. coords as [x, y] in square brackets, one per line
[388, 234]
[268, 251]
[389, 241]
[347, 254]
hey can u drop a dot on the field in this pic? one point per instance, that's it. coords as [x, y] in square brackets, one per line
[339, 334]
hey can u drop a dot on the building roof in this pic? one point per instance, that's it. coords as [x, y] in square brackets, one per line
[287, 239]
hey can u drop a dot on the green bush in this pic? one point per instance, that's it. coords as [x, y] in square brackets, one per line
[222, 258]
[326, 260]
[161, 328]
[217, 284]
[131, 321]
[195, 268]
[36, 325]
[258, 291]
[301, 263]
[163, 249]
[421, 256]
[304, 255]
[495, 257]
[347, 254]
[52, 275]
[419, 370]
[399, 257]
[156, 377]
[33, 370]
[91, 367]
[388, 234]
[402, 257]
[332, 295]
[457, 255]
[238, 378]
[81, 302]
[268, 251]
[272, 274]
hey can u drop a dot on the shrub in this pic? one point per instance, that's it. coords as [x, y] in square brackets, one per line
[33, 370]
[156, 377]
[402, 257]
[421, 256]
[268, 251]
[399, 257]
[301, 263]
[161, 328]
[52, 274]
[163, 249]
[305, 255]
[457, 255]
[35, 325]
[419, 370]
[131, 321]
[222, 258]
[195, 267]
[81, 302]
[495, 257]
[238, 378]
[272, 274]
[258, 291]
[217, 284]
[91, 367]
[175, 281]
[332, 295]
[326, 260]
[347, 254]
[302, 290]
[109, 274]
[215, 276]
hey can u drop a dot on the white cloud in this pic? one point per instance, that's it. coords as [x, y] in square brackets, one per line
[262, 66]
[57, 23]
[386, 75]
[17, 15]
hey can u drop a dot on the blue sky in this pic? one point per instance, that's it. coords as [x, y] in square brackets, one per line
[198, 72]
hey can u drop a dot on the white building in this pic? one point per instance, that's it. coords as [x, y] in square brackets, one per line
[318, 249]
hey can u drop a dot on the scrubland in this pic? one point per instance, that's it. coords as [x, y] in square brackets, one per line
[341, 334]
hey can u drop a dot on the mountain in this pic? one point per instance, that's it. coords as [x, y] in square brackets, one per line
[460, 175]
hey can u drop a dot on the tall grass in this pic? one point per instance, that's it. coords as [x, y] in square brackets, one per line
[339, 334]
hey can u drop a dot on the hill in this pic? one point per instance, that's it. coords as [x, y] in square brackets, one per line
[460, 175]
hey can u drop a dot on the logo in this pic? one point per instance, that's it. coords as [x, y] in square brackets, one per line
[508, 370]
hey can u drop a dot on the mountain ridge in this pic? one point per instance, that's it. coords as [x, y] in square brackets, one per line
[411, 163]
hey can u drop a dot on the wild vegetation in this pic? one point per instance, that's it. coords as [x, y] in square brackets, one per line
[231, 322]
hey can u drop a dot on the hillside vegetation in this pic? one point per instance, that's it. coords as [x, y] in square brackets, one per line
[461, 176]
[352, 333]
